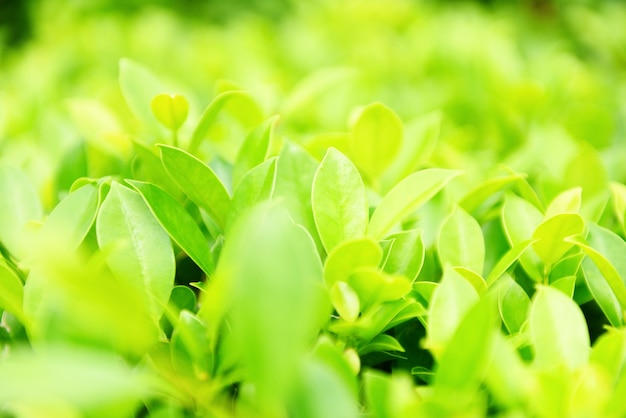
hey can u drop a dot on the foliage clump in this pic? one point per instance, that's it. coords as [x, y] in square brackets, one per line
[431, 224]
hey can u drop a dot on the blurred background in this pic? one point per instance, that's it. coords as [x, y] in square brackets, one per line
[538, 85]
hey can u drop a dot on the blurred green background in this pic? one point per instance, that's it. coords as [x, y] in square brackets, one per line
[529, 83]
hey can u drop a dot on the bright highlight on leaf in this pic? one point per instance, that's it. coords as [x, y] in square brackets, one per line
[170, 109]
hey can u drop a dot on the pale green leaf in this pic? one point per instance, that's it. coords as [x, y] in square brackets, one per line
[255, 149]
[276, 293]
[449, 303]
[406, 197]
[197, 181]
[350, 256]
[338, 200]
[72, 218]
[138, 87]
[345, 301]
[605, 270]
[507, 260]
[406, 255]
[375, 140]
[138, 250]
[513, 303]
[558, 330]
[170, 109]
[294, 180]
[568, 201]
[256, 186]
[20, 204]
[519, 219]
[550, 236]
[464, 363]
[374, 286]
[418, 144]
[180, 226]
[89, 380]
[461, 242]
[209, 115]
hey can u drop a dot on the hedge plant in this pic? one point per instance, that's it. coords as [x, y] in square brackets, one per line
[364, 240]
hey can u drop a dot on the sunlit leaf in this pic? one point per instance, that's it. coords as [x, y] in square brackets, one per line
[558, 330]
[20, 204]
[449, 303]
[407, 196]
[406, 256]
[198, 181]
[178, 223]
[254, 149]
[520, 219]
[170, 109]
[138, 87]
[551, 234]
[256, 186]
[139, 251]
[376, 139]
[338, 199]
[350, 256]
[461, 242]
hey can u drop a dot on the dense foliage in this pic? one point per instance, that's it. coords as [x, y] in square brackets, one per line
[388, 208]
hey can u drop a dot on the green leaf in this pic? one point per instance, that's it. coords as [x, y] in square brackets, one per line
[485, 191]
[138, 250]
[255, 187]
[461, 242]
[609, 352]
[618, 194]
[276, 293]
[566, 285]
[375, 140]
[209, 116]
[190, 348]
[170, 109]
[450, 301]
[464, 364]
[20, 204]
[197, 181]
[519, 219]
[320, 392]
[350, 256]
[551, 234]
[345, 301]
[382, 342]
[507, 260]
[255, 149]
[508, 378]
[294, 181]
[605, 271]
[558, 330]
[406, 197]
[568, 201]
[139, 86]
[474, 278]
[147, 166]
[338, 200]
[418, 144]
[406, 255]
[513, 303]
[88, 380]
[180, 226]
[11, 292]
[374, 286]
[72, 218]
